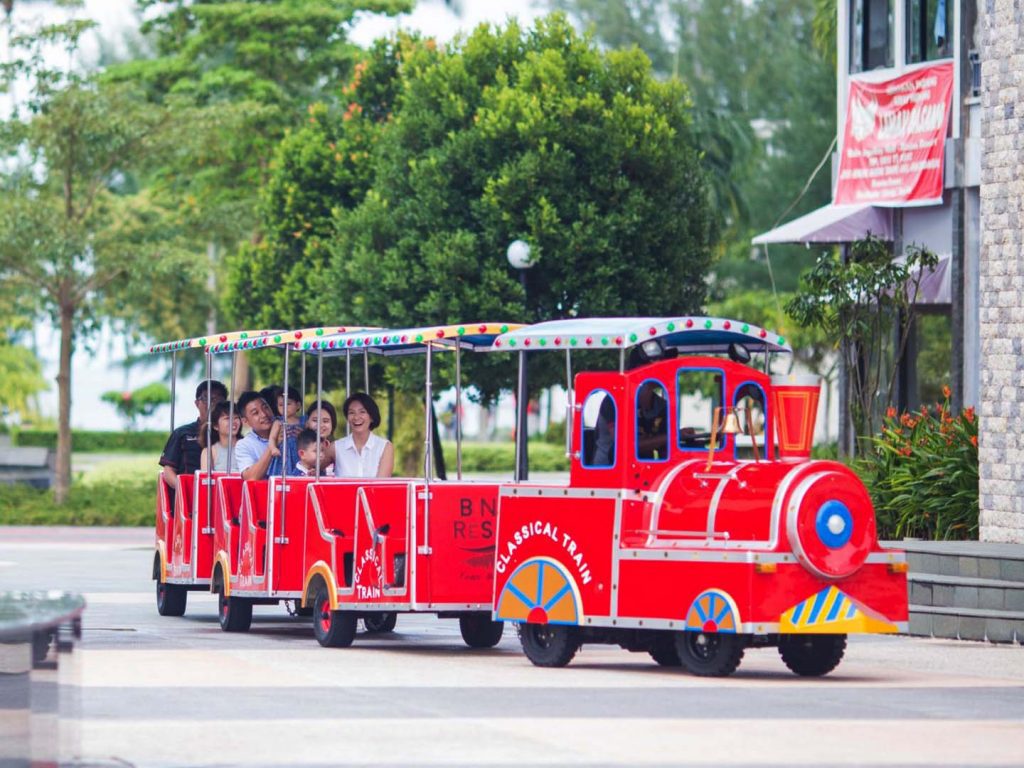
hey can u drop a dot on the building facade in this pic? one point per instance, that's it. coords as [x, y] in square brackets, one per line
[1001, 429]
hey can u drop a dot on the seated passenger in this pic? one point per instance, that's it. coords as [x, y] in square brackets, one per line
[182, 453]
[226, 431]
[604, 434]
[362, 453]
[270, 394]
[323, 420]
[306, 443]
[294, 420]
[258, 454]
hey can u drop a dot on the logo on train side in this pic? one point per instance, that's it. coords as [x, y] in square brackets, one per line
[473, 528]
[544, 531]
[368, 575]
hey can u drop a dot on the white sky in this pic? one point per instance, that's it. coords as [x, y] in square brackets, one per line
[95, 370]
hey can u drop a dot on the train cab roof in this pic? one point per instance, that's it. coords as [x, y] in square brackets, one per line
[687, 335]
[211, 340]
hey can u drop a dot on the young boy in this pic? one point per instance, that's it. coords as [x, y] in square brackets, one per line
[293, 419]
[306, 444]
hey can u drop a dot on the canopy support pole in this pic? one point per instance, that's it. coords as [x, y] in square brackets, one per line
[458, 411]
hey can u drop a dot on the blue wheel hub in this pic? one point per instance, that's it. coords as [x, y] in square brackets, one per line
[833, 524]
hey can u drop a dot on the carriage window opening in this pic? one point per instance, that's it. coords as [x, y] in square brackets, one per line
[871, 34]
[929, 27]
[652, 421]
[599, 422]
[751, 415]
[699, 393]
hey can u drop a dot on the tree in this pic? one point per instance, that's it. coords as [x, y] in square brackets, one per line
[865, 304]
[76, 237]
[531, 135]
[764, 109]
[139, 403]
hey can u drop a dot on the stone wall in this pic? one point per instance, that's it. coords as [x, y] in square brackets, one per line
[1001, 427]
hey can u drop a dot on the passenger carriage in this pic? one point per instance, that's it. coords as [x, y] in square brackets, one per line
[350, 549]
[725, 536]
[184, 520]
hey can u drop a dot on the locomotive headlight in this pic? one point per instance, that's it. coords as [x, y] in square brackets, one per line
[834, 524]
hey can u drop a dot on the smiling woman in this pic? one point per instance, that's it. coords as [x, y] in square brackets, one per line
[362, 453]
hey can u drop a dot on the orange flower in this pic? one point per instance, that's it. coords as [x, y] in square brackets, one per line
[969, 415]
[974, 440]
[890, 413]
[946, 391]
[905, 451]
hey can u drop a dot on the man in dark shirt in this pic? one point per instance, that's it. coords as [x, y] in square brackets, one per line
[182, 452]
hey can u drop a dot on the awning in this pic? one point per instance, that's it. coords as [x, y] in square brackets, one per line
[833, 224]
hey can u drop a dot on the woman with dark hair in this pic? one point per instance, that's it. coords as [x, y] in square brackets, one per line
[222, 426]
[362, 453]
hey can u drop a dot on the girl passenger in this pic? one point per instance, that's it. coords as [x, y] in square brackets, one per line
[223, 426]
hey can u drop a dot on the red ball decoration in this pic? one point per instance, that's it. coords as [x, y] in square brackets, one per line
[526, 342]
[440, 334]
[652, 330]
[689, 323]
[727, 325]
[763, 333]
[482, 328]
[223, 338]
[298, 334]
[558, 341]
[589, 340]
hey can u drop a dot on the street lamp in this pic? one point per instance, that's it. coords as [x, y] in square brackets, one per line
[519, 258]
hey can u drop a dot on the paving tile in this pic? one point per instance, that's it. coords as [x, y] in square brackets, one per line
[968, 566]
[921, 624]
[991, 597]
[988, 568]
[971, 628]
[944, 626]
[965, 597]
[1000, 630]
[920, 594]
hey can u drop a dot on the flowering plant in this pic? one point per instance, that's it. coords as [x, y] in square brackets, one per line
[922, 473]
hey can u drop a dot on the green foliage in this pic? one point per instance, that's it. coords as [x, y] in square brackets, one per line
[138, 404]
[764, 109]
[922, 472]
[89, 441]
[856, 303]
[524, 135]
[22, 379]
[501, 457]
[114, 503]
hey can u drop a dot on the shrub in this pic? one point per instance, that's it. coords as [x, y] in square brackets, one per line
[113, 503]
[922, 473]
[85, 441]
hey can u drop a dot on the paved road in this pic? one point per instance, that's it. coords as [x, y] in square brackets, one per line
[179, 692]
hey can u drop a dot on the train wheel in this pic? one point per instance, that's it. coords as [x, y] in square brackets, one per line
[812, 655]
[710, 654]
[380, 621]
[549, 645]
[235, 613]
[333, 629]
[170, 599]
[478, 631]
[663, 651]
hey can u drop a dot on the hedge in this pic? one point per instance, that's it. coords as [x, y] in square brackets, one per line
[501, 457]
[93, 441]
[120, 503]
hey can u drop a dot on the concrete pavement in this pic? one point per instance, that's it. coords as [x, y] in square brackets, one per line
[154, 691]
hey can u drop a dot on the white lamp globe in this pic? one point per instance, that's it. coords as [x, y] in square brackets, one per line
[519, 255]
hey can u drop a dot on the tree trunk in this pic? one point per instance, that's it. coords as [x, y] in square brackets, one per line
[62, 483]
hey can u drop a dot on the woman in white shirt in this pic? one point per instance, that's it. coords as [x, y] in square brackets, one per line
[362, 453]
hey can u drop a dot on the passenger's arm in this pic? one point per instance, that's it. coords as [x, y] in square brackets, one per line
[387, 461]
[204, 459]
[170, 475]
[258, 469]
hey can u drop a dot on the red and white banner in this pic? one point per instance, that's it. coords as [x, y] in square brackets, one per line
[894, 138]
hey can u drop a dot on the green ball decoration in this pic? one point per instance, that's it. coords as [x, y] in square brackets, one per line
[319, 331]
[604, 340]
[572, 341]
[202, 342]
[511, 342]
[782, 340]
[461, 331]
[671, 326]
[504, 329]
[632, 337]
[277, 339]
[707, 324]
[745, 328]
[244, 335]
[543, 342]
[419, 337]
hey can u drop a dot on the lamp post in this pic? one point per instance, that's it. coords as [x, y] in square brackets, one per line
[519, 258]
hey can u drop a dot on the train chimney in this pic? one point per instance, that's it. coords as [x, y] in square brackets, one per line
[795, 403]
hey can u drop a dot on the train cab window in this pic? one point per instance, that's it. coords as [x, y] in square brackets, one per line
[652, 421]
[699, 393]
[751, 410]
[599, 422]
